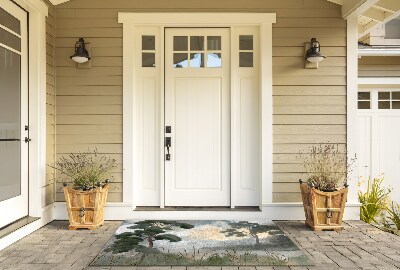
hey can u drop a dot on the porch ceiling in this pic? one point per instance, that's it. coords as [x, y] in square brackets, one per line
[371, 13]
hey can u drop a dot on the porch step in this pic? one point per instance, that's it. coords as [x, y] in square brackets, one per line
[16, 225]
[190, 208]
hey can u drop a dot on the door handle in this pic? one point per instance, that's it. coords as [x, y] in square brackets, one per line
[27, 139]
[168, 145]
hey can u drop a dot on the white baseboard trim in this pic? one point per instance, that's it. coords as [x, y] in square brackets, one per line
[47, 216]
[270, 211]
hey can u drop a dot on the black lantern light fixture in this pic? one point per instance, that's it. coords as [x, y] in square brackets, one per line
[81, 54]
[313, 54]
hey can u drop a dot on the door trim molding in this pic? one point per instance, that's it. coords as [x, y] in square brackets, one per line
[37, 12]
[131, 119]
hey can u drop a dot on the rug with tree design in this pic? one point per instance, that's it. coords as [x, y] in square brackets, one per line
[199, 243]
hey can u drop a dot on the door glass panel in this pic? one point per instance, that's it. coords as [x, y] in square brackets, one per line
[10, 123]
[9, 21]
[396, 105]
[383, 105]
[196, 43]
[246, 42]
[197, 60]
[148, 59]
[148, 43]
[10, 40]
[364, 95]
[384, 95]
[364, 105]
[245, 59]
[180, 43]
[214, 43]
[180, 60]
[396, 95]
[214, 60]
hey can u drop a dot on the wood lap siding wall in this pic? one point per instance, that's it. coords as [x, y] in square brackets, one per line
[379, 66]
[50, 105]
[309, 104]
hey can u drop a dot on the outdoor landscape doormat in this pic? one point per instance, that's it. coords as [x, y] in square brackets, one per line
[199, 243]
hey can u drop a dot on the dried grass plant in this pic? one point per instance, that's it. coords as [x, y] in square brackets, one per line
[85, 169]
[326, 167]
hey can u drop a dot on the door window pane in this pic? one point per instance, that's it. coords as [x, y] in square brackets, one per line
[10, 40]
[196, 43]
[246, 42]
[197, 60]
[148, 43]
[364, 105]
[396, 105]
[10, 21]
[148, 59]
[245, 59]
[214, 60]
[180, 43]
[214, 43]
[364, 95]
[396, 95]
[384, 95]
[383, 105]
[180, 60]
[10, 123]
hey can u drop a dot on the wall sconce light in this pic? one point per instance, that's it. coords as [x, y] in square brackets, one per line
[313, 55]
[81, 54]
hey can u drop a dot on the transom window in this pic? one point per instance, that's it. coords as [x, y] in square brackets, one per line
[381, 100]
[197, 52]
[389, 100]
[364, 100]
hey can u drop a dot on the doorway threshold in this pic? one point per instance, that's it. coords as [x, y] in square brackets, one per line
[205, 208]
[16, 226]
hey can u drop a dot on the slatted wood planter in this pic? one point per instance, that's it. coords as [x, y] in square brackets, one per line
[86, 208]
[323, 210]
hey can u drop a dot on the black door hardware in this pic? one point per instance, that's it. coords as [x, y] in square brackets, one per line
[168, 145]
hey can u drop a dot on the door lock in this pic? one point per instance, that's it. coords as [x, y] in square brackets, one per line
[168, 145]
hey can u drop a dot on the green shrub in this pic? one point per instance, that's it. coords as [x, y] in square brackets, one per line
[393, 214]
[374, 200]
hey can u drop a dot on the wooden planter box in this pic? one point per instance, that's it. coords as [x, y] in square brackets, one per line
[323, 210]
[86, 208]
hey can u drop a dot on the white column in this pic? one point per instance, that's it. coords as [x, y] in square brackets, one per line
[352, 88]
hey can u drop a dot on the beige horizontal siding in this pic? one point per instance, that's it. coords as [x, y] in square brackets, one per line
[309, 104]
[49, 186]
[379, 66]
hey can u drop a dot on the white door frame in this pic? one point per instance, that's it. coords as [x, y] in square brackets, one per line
[17, 207]
[131, 118]
[37, 12]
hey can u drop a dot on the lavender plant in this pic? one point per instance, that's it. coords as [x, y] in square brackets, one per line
[85, 169]
[326, 167]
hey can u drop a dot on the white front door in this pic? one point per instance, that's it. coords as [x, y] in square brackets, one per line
[379, 133]
[13, 113]
[197, 110]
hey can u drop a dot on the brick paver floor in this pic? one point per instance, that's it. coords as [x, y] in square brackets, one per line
[358, 246]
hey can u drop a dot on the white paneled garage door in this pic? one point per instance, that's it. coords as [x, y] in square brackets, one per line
[379, 136]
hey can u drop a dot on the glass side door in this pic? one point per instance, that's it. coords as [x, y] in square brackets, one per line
[13, 113]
